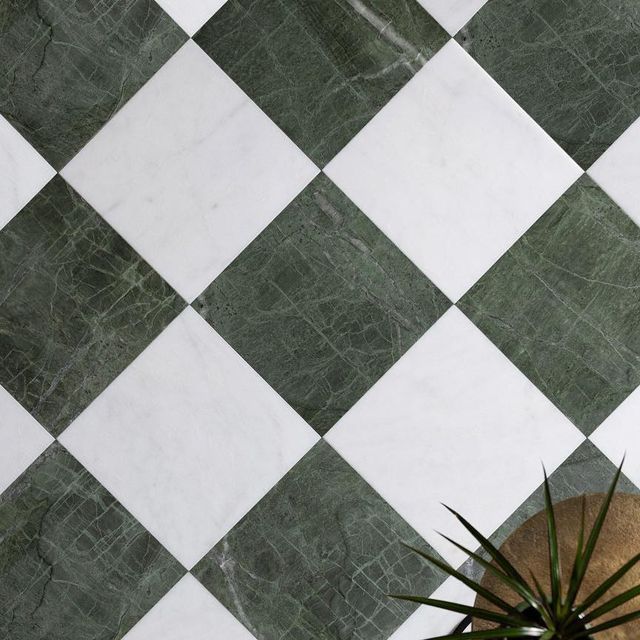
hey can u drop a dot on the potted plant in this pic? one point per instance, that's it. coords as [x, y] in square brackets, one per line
[554, 615]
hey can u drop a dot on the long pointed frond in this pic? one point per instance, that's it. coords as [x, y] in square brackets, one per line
[609, 624]
[516, 632]
[476, 612]
[478, 588]
[612, 604]
[552, 537]
[489, 547]
[593, 597]
[522, 590]
[594, 535]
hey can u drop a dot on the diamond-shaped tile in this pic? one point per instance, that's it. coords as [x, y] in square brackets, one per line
[188, 612]
[452, 14]
[22, 439]
[78, 304]
[70, 65]
[321, 70]
[191, 14]
[316, 558]
[23, 172]
[455, 422]
[189, 438]
[321, 304]
[453, 171]
[190, 171]
[572, 65]
[74, 563]
[564, 305]
[617, 171]
[619, 435]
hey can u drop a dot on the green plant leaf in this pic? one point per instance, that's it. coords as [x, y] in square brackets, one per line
[543, 596]
[478, 588]
[488, 546]
[476, 612]
[554, 558]
[612, 604]
[522, 590]
[490, 634]
[571, 592]
[590, 546]
[609, 624]
[593, 597]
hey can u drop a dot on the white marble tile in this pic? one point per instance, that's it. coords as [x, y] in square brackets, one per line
[454, 422]
[428, 622]
[189, 171]
[619, 435]
[22, 439]
[453, 14]
[191, 14]
[189, 437]
[23, 172]
[188, 612]
[617, 171]
[453, 170]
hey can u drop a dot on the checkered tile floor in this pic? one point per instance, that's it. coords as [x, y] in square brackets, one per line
[278, 277]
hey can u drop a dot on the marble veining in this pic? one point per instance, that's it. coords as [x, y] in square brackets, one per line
[572, 64]
[280, 277]
[167, 178]
[321, 70]
[321, 304]
[315, 558]
[69, 65]
[564, 304]
[77, 305]
[74, 564]
[220, 438]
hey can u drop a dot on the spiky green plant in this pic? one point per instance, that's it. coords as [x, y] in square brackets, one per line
[557, 615]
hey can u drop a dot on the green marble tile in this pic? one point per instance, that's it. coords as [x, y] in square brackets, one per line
[587, 470]
[315, 557]
[321, 304]
[77, 305]
[321, 70]
[564, 304]
[69, 65]
[75, 565]
[574, 65]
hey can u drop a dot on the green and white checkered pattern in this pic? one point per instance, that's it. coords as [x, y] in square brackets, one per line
[278, 277]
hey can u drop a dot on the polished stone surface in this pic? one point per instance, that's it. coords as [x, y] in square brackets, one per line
[69, 65]
[321, 304]
[77, 305]
[74, 563]
[166, 178]
[23, 172]
[454, 408]
[564, 304]
[446, 171]
[22, 439]
[321, 70]
[573, 65]
[316, 557]
[212, 442]
[271, 308]
[189, 612]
